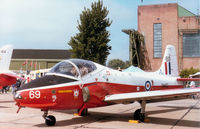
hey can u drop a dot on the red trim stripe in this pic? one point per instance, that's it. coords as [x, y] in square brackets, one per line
[166, 68]
[188, 79]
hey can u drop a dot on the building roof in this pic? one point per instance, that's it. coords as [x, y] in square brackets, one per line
[184, 12]
[40, 54]
[181, 10]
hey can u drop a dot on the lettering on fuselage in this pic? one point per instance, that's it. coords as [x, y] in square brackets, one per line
[34, 94]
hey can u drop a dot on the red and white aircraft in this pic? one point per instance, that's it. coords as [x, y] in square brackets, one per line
[6, 77]
[81, 84]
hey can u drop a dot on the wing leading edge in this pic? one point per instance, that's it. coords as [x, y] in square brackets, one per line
[150, 95]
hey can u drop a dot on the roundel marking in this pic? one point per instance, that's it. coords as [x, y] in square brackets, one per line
[147, 85]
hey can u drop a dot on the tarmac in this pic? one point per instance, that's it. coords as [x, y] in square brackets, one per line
[178, 114]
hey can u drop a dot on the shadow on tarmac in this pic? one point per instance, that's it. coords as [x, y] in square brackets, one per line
[7, 101]
[125, 117]
[167, 121]
[67, 111]
[103, 117]
[172, 109]
[91, 118]
[4, 107]
[178, 107]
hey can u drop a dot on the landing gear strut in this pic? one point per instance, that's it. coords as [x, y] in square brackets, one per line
[139, 114]
[49, 120]
[84, 112]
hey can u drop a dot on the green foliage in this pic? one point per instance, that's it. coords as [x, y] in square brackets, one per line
[127, 64]
[91, 42]
[186, 72]
[116, 63]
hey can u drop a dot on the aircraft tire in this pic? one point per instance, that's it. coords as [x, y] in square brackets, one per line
[138, 115]
[50, 120]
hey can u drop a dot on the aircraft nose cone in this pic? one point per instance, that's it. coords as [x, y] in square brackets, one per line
[17, 96]
[18, 99]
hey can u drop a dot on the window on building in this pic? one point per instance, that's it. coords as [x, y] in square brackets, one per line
[191, 45]
[157, 40]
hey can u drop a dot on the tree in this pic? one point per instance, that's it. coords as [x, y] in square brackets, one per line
[116, 63]
[186, 72]
[91, 42]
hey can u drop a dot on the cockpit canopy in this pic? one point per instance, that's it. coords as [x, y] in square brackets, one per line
[74, 67]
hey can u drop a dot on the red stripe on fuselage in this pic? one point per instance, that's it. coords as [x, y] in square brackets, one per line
[97, 90]
[115, 88]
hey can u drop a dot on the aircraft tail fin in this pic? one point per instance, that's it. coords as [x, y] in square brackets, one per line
[169, 64]
[5, 57]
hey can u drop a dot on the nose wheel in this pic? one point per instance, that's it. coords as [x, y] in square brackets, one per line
[49, 119]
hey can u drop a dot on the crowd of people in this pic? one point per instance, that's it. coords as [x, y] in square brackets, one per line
[5, 89]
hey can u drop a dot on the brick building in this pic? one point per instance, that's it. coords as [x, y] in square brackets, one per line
[170, 24]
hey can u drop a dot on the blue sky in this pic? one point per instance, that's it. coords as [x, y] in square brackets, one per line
[49, 24]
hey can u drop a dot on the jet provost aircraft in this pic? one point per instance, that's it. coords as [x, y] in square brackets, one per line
[81, 84]
[6, 77]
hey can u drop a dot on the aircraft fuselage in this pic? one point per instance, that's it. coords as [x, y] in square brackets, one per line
[92, 89]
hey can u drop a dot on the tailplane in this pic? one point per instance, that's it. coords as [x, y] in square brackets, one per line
[5, 57]
[169, 64]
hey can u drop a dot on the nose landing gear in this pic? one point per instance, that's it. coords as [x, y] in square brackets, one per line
[49, 120]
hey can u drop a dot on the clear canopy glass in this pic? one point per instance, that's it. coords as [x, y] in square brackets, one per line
[74, 67]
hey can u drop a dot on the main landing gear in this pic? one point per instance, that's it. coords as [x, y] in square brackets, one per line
[49, 119]
[139, 114]
[84, 112]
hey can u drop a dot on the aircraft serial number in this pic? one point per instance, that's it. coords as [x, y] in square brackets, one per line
[34, 94]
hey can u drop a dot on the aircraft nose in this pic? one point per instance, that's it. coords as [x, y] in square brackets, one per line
[17, 96]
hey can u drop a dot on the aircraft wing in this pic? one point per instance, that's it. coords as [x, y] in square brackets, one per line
[8, 79]
[150, 95]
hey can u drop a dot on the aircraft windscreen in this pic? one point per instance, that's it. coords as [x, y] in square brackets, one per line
[84, 66]
[66, 68]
